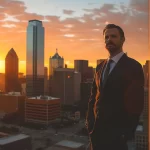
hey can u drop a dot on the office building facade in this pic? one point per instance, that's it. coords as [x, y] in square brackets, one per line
[146, 73]
[12, 106]
[35, 59]
[141, 135]
[55, 61]
[42, 109]
[82, 67]
[11, 72]
[66, 85]
[2, 82]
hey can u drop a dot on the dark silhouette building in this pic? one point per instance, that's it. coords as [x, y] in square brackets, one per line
[85, 95]
[99, 61]
[66, 85]
[82, 67]
[2, 82]
[11, 72]
[55, 61]
[146, 73]
[46, 81]
[141, 134]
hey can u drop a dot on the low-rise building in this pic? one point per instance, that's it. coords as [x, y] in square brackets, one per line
[15, 142]
[11, 104]
[42, 109]
[141, 138]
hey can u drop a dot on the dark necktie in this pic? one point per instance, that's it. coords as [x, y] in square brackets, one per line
[106, 73]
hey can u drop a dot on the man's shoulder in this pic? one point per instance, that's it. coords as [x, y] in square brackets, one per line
[131, 62]
[99, 65]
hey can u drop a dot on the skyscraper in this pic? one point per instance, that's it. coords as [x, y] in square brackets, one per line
[146, 73]
[66, 85]
[35, 58]
[46, 81]
[55, 61]
[141, 134]
[11, 72]
[2, 82]
[82, 67]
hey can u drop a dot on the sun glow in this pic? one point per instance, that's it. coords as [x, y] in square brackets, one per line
[2, 66]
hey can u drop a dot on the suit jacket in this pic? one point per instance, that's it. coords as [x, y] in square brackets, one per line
[114, 108]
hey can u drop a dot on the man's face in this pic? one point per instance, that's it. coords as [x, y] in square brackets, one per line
[113, 40]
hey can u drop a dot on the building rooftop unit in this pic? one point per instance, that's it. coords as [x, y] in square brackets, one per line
[139, 128]
[13, 94]
[44, 98]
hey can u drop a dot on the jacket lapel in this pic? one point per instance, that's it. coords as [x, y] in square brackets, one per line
[115, 69]
[100, 73]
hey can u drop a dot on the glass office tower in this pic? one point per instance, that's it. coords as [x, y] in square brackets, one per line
[35, 59]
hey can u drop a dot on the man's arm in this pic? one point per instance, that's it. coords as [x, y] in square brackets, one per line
[90, 119]
[134, 101]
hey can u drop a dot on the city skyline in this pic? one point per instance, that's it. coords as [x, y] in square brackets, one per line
[74, 28]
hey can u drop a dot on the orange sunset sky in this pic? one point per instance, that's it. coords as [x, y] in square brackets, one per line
[74, 28]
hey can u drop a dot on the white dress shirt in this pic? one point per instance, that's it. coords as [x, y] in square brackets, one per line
[113, 64]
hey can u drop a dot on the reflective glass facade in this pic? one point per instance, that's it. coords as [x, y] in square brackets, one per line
[35, 59]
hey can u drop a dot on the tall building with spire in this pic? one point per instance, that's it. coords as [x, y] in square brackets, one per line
[35, 59]
[55, 61]
[11, 72]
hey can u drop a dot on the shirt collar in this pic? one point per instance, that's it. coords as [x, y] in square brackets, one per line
[117, 57]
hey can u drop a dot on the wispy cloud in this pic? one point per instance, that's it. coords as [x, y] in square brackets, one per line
[68, 12]
[9, 25]
[96, 30]
[89, 39]
[9, 18]
[92, 3]
[69, 35]
[64, 30]
[139, 5]
[68, 25]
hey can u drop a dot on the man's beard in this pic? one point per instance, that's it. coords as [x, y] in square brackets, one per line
[111, 47]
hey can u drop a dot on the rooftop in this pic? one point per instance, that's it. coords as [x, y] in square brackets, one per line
[139, 128]
[44, 98]
[64, 69]
[12, 53]
[71, 144]
[35, 20]
[12, 138]
[56, 55]
[12, 94]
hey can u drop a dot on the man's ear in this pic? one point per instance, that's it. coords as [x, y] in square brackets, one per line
[123, 39]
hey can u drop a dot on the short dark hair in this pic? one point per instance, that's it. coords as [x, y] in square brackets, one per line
[110, 26]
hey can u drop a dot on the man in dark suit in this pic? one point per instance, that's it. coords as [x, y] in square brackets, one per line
[117, 96]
